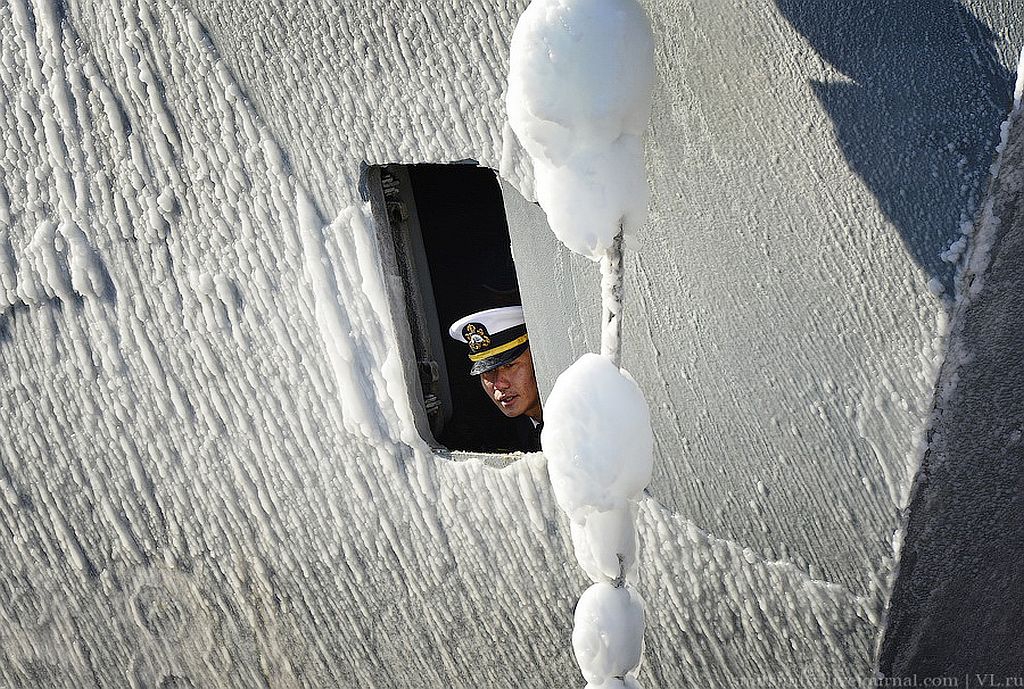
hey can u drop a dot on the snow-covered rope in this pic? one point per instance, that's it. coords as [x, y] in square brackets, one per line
[612, 271]
[579, 98]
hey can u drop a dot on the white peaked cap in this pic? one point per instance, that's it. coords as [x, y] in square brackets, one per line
[495, 337]
[495, 320]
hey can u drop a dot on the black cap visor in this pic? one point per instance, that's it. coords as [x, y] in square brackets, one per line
[492, 362]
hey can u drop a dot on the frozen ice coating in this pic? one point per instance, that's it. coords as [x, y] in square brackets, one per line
[599, 445]
[608, 632]
[627, 682]
[597, 438]
[210, 470]
[580, 79]
[605, 543]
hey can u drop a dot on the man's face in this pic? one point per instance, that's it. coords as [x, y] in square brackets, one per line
[513, 387]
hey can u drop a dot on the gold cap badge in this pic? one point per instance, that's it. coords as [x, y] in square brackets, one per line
[477, 337]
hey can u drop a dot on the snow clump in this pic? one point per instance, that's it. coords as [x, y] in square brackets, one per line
[608, 635]
[605, 543]
[597, 438]
[580, 80]
[600, 451]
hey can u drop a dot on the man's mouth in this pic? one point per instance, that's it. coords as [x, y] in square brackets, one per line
[507, 401]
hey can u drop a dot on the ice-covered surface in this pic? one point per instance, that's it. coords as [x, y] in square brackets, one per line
[579, 99]
[189, 281]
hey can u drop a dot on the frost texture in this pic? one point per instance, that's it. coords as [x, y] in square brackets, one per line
[187, 281]
[579, 99]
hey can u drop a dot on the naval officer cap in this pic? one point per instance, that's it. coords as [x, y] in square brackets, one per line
[495, 337]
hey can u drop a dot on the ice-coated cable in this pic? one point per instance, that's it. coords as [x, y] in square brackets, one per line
[612, 270]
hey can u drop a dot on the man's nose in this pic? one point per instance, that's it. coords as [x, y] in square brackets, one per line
[501, 382]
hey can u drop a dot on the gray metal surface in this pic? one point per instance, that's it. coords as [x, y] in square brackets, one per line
[958, 602]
